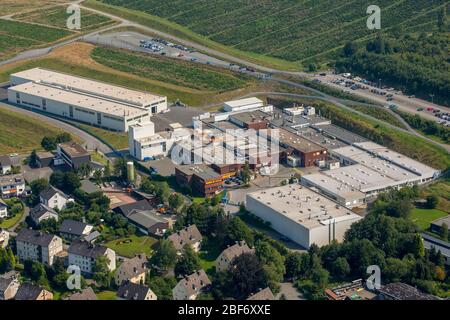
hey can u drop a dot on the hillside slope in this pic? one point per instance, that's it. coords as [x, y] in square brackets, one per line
[295, 30]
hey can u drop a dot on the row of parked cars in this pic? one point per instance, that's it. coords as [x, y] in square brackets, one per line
[173, 45]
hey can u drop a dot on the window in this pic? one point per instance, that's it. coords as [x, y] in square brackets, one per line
[71, 111]
[44, 104]
[99, 118]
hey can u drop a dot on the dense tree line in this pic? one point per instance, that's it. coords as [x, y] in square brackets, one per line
[417, 65]
[428, 127]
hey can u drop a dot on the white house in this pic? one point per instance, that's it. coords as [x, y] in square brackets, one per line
[228, 255]
[38, 246]
[53, 198]
[12, 185]
[3, 209]
[84, 255]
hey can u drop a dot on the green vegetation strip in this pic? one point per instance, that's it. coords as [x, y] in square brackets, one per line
[184, 74]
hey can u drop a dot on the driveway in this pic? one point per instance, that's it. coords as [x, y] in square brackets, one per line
[289, 291]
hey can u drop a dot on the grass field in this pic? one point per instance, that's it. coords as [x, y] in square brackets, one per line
[21, 133]
[440, 188]
[118, 140]
[15, 6]
[208, 255]
[424, 217]
[11, 222]
[130, 246]
[275, 30]
[57, 17]
[107, 295]
[18, 36]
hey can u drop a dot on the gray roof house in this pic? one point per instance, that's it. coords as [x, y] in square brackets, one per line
[84, 255]
[264, 294]
[53, 198]
[8, 288]
[132, 270]
[42, 212]
[188, 235]
[144, 217]
[133, 291]
[85, 294]
[72, 229]
[28, 291]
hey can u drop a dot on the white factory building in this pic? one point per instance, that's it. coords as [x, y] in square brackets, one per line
[368, 169]
[92, 102]
[243, 104]
[145, 144]
[301, 214]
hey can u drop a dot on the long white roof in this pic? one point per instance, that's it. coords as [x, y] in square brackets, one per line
[83, 84]
[79, 100]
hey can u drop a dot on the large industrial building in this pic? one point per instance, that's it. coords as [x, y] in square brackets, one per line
[367, 170]
[302, 214]
[93, 102]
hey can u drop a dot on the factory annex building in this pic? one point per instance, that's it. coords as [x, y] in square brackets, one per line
[301, 214]
[93, 102]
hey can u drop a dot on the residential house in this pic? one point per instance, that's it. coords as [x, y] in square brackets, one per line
[5, 165]
[4, 238]
[132, 270]
[188, 235]
[84, 255]
[72, 230]
[3, 209]
[28, 291]
[145, 218]
[8, 288]
[133, 291]
[53, 198]
[12, 185]
[84, 295]
[42, 212]
[227, 256]
[191, 286]
[264, 294]
[38, 246]
[403, 291]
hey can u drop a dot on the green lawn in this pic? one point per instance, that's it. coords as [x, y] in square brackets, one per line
[8, 223]
[118, 140]
[107, 295]
[424, 217]
[130, 246]
[98, 157]
[208, 255]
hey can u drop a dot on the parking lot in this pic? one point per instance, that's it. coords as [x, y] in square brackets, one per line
[385, 95]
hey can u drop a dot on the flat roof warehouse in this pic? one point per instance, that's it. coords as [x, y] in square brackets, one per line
[81, 100]
[303, 206]
[86, 86]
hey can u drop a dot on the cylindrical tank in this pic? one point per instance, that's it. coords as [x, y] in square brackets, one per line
[130, 172]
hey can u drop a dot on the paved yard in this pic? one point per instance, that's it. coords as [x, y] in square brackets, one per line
[289, 291]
